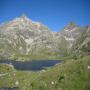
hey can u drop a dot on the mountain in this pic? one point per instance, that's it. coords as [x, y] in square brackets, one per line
[22, 37]
[82, 45]
[78, 38]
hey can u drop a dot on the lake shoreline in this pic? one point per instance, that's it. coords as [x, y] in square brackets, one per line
[34, 65]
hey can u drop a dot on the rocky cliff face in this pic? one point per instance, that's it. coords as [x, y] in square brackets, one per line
[82, 43]
[23, 36]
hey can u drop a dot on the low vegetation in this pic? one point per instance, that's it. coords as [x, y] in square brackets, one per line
[70, 75]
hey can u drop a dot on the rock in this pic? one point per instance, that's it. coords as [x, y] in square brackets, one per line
[22, 36]
[88, 67]
[17, 83]
[4, 74]
[52, 83]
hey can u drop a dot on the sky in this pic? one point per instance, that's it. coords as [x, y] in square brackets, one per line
[53, 13]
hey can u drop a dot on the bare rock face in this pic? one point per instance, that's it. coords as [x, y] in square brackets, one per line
[23, 36]
[82, 43]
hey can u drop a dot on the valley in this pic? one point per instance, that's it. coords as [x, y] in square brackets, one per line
[63, 57]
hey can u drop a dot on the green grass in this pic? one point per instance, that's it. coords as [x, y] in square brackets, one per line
[35, 57]
[70, 75]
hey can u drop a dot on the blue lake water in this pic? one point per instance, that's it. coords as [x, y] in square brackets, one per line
[34, 65]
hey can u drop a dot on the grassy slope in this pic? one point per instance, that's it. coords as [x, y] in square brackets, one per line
[35, 57]
[70, 75]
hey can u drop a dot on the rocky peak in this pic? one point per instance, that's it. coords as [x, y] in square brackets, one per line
[24, 23]
[23, 17]
[70, 26]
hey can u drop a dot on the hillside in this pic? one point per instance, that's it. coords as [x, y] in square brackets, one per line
[70, 75]
[24, 39]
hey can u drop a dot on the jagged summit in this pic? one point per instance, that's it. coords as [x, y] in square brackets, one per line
[24, 23]
[22, 36]
[71, 25]
[24, 17]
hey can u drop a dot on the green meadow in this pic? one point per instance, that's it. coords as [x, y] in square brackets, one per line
[68, 75]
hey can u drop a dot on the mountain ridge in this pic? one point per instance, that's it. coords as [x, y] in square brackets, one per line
[22, 36]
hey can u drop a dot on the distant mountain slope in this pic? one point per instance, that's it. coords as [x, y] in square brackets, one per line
[22, 36]
[82, 44]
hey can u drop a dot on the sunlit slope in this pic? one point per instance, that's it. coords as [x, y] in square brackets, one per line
[70, 75]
